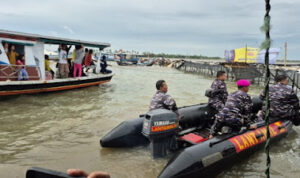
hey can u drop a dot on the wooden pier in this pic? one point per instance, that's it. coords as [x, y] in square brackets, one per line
[235, 71]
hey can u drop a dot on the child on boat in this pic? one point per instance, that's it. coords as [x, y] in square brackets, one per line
[23, 75]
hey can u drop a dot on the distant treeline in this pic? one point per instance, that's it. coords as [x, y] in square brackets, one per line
[178, 56]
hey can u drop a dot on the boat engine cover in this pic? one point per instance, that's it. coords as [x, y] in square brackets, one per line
[160, 123]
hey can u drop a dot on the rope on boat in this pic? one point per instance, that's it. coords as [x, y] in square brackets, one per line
[266, 45]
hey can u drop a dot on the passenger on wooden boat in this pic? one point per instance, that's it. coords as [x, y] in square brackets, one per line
[63, 63]
[12, 55]
[219, 93]
[47, 67]
[284, 103]
[88, 60]
[81, 173]
[6, 48]
[23, 75]
[70, 62]
[103, 65]
[161, 100]
[236, 113]
[79, 55]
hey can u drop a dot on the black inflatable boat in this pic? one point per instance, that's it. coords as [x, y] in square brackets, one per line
[195, 155]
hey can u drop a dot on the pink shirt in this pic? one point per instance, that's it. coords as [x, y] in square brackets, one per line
[19, 62]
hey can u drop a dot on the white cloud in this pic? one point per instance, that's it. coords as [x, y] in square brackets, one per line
[173, 26]
[68, 29]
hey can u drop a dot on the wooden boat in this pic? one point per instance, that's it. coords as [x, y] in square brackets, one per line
[32, 47]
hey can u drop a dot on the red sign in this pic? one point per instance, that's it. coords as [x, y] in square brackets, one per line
[250, 139]
[164, 127]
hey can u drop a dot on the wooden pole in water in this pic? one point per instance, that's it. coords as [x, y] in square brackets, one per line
[246, 53]
[285, 53]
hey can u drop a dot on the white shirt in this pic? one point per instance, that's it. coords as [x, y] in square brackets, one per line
[63, 57]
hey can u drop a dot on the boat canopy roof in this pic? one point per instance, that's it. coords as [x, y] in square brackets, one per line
[50, 40]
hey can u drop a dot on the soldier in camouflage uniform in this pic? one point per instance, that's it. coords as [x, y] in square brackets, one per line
[284, 103]
[161, 100]
[237, 111]
[218, 95]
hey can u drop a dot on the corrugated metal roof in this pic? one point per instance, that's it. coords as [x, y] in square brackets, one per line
[56, 40]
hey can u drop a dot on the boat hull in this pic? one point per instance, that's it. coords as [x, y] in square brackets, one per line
[28, 87]
[209, 158]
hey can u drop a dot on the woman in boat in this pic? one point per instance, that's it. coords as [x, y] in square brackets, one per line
[12, 55]
[79, 54]
[88, 60]
[23, 75]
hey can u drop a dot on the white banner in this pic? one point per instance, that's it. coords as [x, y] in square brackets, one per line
[273, 54]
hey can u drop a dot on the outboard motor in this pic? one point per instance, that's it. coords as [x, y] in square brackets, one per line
[160, 128]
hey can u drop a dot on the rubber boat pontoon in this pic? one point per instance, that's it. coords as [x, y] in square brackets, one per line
[194, 155]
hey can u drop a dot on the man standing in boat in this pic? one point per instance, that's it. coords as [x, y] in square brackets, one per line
[218, 94]
[237, 111]
[63, 63]
[284, 103]
[161, 100]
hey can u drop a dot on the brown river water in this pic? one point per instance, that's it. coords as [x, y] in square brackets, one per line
[62, 130]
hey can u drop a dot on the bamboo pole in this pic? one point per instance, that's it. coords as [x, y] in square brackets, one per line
[285, 53]
[246, 53]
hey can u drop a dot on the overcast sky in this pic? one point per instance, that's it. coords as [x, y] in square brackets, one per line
[206, 27]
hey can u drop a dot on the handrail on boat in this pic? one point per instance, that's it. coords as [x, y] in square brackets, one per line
[15, 69]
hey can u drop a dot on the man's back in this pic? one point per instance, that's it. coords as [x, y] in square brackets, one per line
[162, 100]
[282, 100]
[220, 94]
[238, 105]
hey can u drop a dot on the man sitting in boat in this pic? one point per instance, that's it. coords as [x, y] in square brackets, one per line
[218, 93]
[237, 111]
[103, 65]
[161, 100]
[284, 103]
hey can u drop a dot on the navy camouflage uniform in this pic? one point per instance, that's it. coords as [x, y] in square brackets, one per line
[219, 94]
[162, 100]
[236, 113]
[284, 103]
